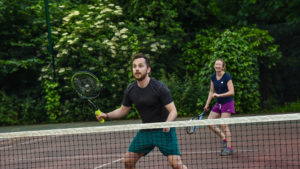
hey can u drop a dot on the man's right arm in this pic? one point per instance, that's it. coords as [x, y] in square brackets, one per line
[116, 114]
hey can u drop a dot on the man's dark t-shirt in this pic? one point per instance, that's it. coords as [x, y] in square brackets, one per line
[149, 101]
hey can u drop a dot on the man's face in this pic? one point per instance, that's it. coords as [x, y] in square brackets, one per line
[139, 69]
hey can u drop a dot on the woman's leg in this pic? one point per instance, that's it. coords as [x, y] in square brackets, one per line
[226, 129]
[215, 129]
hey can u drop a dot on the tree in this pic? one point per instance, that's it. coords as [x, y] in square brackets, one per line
[20, 58]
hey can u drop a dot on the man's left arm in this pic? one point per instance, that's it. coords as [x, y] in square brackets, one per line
[172, 112]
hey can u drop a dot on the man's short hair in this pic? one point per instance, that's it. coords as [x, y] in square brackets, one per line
[141, 55]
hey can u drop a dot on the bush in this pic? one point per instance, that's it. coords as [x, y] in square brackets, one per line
[96, 37]
[243, 50]
[287, 107]
[186, 93]
[15, 110]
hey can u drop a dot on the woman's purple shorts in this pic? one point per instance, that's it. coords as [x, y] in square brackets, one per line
[224, 108]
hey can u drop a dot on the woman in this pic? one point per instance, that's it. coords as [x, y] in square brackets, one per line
[221, 87]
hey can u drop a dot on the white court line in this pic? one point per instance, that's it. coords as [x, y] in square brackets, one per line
[157, 153]
[103, 165]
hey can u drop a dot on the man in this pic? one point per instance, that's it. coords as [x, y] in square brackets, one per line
[154, 103]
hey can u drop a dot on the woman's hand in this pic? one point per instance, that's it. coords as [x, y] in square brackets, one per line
[206, 108]
[215, 95]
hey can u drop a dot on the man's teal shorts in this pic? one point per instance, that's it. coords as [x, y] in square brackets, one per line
[146, 140]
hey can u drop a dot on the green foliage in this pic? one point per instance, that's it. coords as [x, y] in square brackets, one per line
[197, 53]
[101, 35]
[243, 50]
[244, 12]
[133, 114]
[96, 37]
[52, 100]
[18, 31]
[287, 107]
[290, 107]
[185, 94]
[15, 110]
[160, 14]
[13, 65]
[279, 84]
[20, 61]
[8, 113]
[92, 37]
[156, 26]
[21, 42]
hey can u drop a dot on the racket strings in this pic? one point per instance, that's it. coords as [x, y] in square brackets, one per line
[86, 85]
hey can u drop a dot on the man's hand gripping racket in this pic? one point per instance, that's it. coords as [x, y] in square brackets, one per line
[87, 86]
[193, 129]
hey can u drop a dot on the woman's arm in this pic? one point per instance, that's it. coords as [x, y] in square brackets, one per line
[210, 96]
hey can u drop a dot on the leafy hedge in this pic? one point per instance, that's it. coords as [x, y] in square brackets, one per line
[102, 44]
[243, 50]
[101, 36]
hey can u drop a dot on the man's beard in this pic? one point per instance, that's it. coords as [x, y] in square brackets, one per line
[141, 78]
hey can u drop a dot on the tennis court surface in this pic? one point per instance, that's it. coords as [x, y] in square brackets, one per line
[271, 141]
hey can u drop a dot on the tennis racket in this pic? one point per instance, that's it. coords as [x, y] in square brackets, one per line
[193, 129]
[87, 86]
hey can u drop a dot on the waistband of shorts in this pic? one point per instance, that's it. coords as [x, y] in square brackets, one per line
[232, 101]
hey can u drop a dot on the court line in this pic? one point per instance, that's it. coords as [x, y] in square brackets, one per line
[120, 159]
[115, 161]
[157, 153]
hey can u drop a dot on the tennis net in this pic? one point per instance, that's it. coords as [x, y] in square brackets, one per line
[271, 141]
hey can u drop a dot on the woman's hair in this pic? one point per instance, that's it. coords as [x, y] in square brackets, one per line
[224, 64]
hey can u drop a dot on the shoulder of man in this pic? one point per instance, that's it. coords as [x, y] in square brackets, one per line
[156, 83]
[157, 86]
[131, 86]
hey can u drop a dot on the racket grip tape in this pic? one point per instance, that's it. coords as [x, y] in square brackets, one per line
[98, 112]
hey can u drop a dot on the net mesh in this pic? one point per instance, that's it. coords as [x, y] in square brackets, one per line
[271, 141]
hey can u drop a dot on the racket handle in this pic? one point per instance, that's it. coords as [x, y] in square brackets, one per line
[98, 112]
